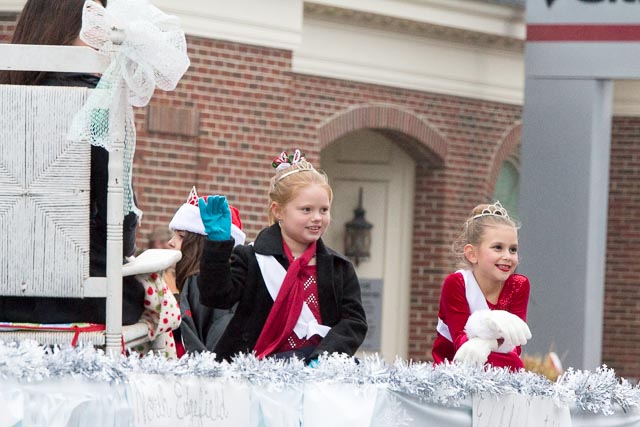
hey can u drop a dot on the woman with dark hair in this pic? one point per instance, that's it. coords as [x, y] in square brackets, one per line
[44, 22]
[58, 22]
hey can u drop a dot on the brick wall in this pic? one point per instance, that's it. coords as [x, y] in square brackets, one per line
[242, 96]
[621, 343]
[239, 105]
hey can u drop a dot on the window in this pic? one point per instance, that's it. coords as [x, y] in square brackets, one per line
[507, 189]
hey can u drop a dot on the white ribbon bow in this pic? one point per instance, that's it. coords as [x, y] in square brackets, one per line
[153, 48]
[151, 51]
[286, 162]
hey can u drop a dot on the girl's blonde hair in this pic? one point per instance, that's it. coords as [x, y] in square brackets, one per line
[287, 182]
[483, 216]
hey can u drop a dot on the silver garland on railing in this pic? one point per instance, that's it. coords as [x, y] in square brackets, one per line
[84, 362]
[598, 392]
[24, 362]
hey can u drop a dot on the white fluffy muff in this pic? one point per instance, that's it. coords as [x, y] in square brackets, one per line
[476, 350]
[497, 324]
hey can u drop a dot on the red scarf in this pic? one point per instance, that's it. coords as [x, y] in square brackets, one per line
[288, 304]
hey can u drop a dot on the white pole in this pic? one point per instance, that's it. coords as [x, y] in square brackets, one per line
[115, 203]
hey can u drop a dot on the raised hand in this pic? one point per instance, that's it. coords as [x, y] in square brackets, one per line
[216, 217]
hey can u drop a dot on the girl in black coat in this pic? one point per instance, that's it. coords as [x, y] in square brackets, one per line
[295, 296]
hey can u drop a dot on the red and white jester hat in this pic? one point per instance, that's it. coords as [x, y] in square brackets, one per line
[187, 218]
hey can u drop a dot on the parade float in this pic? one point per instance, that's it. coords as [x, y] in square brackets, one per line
[78, 375]
[84, 386]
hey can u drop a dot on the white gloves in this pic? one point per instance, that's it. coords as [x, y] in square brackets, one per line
[496, 324]
[476, 350]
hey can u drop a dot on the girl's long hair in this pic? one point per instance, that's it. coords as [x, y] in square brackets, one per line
[191, 249]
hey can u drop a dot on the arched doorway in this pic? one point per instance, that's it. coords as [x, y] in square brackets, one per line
[372, 161]
[379, 148]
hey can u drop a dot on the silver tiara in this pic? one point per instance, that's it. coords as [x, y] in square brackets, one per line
[286, 161]
[495, 209]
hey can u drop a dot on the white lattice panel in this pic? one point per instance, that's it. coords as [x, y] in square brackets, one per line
[44, 193]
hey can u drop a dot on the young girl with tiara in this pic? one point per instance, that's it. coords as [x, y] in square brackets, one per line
[295, 296]
[483, 306]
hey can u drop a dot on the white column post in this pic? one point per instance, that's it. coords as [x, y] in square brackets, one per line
[563, 204]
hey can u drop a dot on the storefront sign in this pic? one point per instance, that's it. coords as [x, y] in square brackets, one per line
[371, 290]
[583, 11]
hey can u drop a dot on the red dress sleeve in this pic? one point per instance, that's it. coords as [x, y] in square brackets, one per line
[514, 298]
[454, 312]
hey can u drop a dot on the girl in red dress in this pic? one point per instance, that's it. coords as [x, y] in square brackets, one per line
[483, 306]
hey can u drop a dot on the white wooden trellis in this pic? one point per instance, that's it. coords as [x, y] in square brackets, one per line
[44, 201]
[44, 196]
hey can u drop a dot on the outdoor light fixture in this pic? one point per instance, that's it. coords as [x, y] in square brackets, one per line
[357, 236]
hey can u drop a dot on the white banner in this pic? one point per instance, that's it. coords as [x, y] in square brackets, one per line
[159, 401]
[338, 405]
[278, 406]
[516, 410]
[12, 404]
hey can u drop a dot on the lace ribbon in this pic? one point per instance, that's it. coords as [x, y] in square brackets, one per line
[148, 49]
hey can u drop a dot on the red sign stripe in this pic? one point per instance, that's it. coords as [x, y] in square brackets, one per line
[583, 32]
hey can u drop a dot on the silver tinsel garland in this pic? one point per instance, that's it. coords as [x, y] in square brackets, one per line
[599, 392]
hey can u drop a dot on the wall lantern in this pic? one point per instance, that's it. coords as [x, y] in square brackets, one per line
[357, 236]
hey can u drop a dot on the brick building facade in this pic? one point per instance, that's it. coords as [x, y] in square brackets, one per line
[239, 105]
